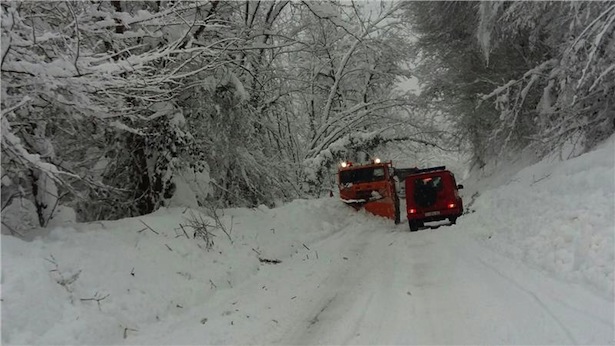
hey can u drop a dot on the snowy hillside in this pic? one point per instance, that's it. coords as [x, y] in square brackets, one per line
[532, 263]
[558, 216]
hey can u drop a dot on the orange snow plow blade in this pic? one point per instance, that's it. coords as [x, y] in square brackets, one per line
[384, 208]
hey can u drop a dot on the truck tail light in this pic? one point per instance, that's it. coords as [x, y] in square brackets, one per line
[412, 211]
[451, 205]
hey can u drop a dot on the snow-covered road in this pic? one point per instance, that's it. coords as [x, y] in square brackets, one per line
[389, 286]
[359, 280]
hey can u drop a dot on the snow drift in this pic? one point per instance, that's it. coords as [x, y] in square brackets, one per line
[555, 215]
[98, 283]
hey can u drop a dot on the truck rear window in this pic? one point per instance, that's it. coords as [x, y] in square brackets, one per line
[431, 183]
[364, 175]
[426, 190]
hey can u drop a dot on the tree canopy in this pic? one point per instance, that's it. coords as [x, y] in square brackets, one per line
[108, 106]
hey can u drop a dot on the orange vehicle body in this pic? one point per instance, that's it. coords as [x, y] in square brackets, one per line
[370, 187]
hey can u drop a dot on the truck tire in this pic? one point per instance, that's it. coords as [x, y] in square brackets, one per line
[414, 225]
[453, 220]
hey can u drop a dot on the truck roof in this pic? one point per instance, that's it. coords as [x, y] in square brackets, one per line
[367, 165]
[431, 169]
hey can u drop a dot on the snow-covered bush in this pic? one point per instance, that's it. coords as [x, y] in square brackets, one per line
[98, 125]
[244, 169]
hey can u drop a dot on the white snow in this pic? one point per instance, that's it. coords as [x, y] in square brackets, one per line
[123, 127]
[19, 216]
[532, 265]
[191, 188]
[13, 144]
[558, 216]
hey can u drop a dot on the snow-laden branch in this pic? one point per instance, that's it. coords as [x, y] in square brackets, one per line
[339, 119]
[588, 27]
[535, 71]
[596, 45]
[7, 111]
[601, 76]
[341, 124]
[12, 144]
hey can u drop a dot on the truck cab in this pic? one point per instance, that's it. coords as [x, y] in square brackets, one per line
[370, 186]
[432, 195]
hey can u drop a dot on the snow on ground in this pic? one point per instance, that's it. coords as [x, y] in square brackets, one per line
[533, 264]
[555, 215]
[143, 276]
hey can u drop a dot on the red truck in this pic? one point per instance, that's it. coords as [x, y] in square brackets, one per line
[432, 195]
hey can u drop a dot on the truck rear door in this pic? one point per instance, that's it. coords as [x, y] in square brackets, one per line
[431, 192]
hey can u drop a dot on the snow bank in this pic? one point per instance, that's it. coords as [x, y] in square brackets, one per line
[556, 215]
[100, 283]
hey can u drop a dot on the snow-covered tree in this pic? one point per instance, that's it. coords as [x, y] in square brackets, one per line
[106, 102]
[100, 81]
[515, 75]
[360, 56]
[568, 94]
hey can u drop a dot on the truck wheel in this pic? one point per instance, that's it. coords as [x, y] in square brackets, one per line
[453, 220]
[414, 225]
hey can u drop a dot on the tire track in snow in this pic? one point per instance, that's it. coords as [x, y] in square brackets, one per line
[575, 308]
[315, 320]
[535, 298]
[449, 288]
[341, 290]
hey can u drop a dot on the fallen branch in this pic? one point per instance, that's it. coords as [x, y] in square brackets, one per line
[126, 329]
[96, 298]
[543, 178]
[184, 230]
[146, 225]
[270, 261]
[65, 282]
[200, 227]
[213, 213]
